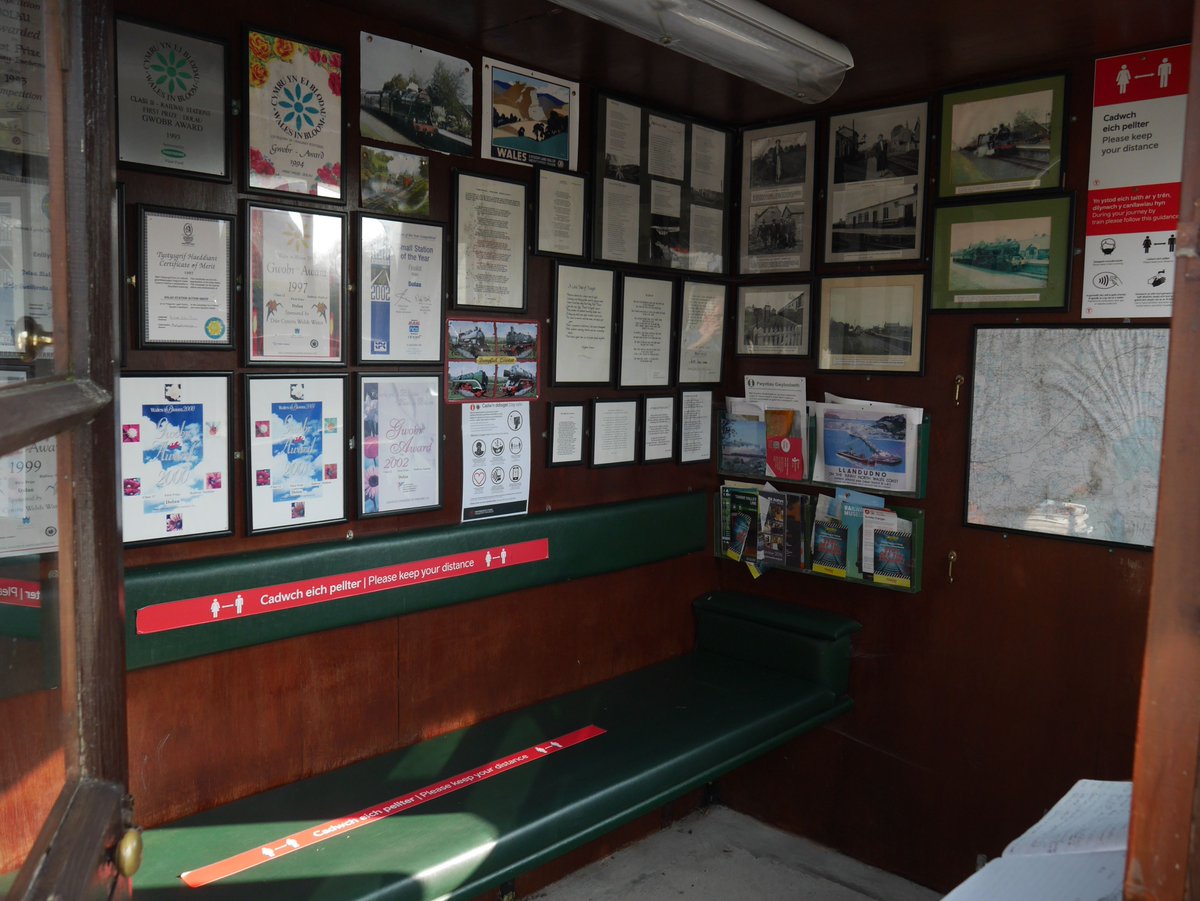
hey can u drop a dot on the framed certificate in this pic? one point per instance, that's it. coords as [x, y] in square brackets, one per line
[295, 281]
[559, 214]
[614, 432]
[28, 489]
[293, 117]
[647, 314]
[400, 424]
[583, 325]
[695, 426]
[172, 111]
[400, 269]
[296, 429]
[701, 333]
[185, 280]
[658, 429]
[174, 456]
[489, 259]
[567, 431]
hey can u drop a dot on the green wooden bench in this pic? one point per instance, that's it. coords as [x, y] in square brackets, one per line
[762, 673]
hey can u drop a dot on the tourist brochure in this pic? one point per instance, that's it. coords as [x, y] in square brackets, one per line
[743, 446]
[781, 530]
[1076, 852]
[872, 447]
[829, 548]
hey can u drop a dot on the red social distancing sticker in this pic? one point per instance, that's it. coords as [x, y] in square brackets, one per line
[297, 841]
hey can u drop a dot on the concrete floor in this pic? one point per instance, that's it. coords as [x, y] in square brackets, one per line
[720, 855]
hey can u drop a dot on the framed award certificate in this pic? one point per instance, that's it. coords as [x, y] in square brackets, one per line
[293, 117]
[295, 286]
[400, 290]
[174, 456]
[296, 429]
[701, 333]
[28, 489]
[186, 278]
[172, 110]
[489, 259]
[400, 423]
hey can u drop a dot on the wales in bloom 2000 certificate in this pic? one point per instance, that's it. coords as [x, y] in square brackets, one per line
[297, 433]
[295, 117]
[295, 286]
[174, 456]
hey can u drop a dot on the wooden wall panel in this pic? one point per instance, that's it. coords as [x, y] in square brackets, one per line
[32, 770]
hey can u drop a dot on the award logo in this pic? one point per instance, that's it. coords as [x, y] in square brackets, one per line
[298, 107]
[188, 238]
[171, 72]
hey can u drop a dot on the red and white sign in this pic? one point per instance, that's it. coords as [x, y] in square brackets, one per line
[281, 847]
[19, 593]
[234, 605]
[1139, 101]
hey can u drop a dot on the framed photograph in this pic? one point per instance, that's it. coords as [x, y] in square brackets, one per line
[296, 429]
[1004, 137]
[175, 442]
[695, 426]
[872, 323]
[876, 179]
[614, 432]
[401, 266]
[185, 280]
[658, 429]
[777, 190]
[293, 117]
[583, 325]
[1066, 431]
[394, 183]
[492, 359]
[701, 332]
[172, 107]
[568, 427]
[295, 275]
[489, 259]
[647, 314]
[400, 424]
[1009, 254]
[29, 490]
[774, 320]
[533, 117]
[415, 96]
[559, 214]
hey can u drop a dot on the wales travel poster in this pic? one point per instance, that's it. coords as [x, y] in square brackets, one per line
[174, 456]
[531, 119]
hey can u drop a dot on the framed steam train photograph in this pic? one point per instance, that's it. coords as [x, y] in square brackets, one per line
[1004, 255]
[1005, 137]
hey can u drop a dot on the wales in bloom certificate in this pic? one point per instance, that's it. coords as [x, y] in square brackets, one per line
[401, 428]
[401, 299]
[295, 286]
[174, 456]
[186, 278]
[297, 448]
[28, 493]
[294, 117]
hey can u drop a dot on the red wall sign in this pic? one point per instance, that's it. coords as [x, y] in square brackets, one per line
[316, 834]
[20, 593]
[234, 605]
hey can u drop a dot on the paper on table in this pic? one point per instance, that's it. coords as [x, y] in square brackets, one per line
[1092, 816]
[1093, 876]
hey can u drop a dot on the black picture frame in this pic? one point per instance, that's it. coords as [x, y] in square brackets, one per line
[552, 427]
[559, 352]
[539, 173]
[849, 341]
[519, 244]
[700, 331]
[625, 330]
[630, 409]
[702, 398]
[644, 427]
[144, 342]
[767, 333]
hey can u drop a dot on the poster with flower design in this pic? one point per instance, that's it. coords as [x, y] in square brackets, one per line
[294, 117]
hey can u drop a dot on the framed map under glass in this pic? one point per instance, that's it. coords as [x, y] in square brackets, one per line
[1066, 431]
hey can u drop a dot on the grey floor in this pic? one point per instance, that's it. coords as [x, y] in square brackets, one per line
[720, 855]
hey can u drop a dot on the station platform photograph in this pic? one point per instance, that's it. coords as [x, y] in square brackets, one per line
[575, 450]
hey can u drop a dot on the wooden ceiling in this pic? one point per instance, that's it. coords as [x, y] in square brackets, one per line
[900, 49]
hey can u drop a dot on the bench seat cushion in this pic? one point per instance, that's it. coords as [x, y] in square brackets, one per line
[669, 728]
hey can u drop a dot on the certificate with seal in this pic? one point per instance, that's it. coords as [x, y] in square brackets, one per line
[293, 116]
[186, 278]
[400, 468]
[171, 106]
[295, 281]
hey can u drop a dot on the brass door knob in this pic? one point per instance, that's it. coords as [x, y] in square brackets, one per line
[129, 853]
[31, 339]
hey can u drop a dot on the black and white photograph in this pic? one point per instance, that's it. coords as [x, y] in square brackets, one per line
[415, 96]
[777, 175]
[774, 320]
[775, 229]
[876, 174]
[872, 323]
[778, 161]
